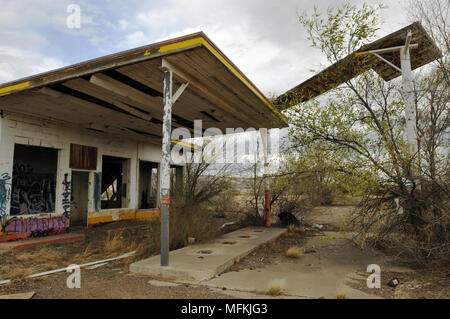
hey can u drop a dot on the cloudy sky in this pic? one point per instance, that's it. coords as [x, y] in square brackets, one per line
[262, 37]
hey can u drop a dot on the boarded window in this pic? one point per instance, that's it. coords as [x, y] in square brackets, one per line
[83, 157]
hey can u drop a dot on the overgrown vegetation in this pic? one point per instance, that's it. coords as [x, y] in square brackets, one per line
[352, 140]
[190, 214]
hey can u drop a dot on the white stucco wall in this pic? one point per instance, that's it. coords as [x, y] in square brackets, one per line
[26, 130]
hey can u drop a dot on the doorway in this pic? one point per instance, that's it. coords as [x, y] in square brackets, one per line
[115, 175]
[79, 201]
[148, 185]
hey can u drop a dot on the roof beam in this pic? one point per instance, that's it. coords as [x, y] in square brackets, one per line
[124, 90]
[90, 89]
[206, 91]
[388, 50]
[179, 92]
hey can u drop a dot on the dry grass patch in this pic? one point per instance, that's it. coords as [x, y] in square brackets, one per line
[294, 252]
[274, 291]
[276, 287]
[341, 296]
[114, 243]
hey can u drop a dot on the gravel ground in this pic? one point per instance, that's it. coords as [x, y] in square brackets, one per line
[111, 281]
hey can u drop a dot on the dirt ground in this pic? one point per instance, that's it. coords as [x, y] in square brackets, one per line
[321, 248]
[331, 248]
[108, 282]
[112, 280]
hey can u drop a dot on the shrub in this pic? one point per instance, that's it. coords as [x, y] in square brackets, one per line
[191, 220]
[294, 252]
[276, 287]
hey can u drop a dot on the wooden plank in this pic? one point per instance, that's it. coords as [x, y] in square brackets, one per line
[86, 87]
[232, 88]
[203, 85]
[194, 100]
[83, 157]
[150, 103]
[25, 295]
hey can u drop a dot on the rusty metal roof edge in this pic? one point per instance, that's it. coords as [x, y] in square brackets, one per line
[22, 84]
[365, 47]
[95, 61]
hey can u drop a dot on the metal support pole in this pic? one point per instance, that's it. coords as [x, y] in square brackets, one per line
[267, 196]
[165, 167]
[410, 109]
[408, 95]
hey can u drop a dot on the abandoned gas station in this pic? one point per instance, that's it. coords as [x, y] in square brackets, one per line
[90, 143]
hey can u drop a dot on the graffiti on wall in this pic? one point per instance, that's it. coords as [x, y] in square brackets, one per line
[4, 193]
[4, 197]
[32, 192]
[67, 196]
[36, 227]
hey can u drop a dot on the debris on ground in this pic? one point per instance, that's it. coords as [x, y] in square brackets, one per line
[288, 219]
[394, 282]
[26, 295]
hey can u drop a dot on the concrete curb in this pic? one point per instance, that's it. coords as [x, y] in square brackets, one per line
[35, 242]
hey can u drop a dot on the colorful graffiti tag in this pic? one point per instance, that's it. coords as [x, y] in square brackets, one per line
[35, 227]
[32, 193]
[5, 191]
[22, 227]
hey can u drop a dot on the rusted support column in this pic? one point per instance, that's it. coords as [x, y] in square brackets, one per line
[165, 167]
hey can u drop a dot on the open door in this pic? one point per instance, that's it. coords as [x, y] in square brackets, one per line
[79, 206]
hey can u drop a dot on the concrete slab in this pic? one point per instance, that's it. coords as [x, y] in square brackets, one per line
[201, 262]
[41, 241]
[324, 274]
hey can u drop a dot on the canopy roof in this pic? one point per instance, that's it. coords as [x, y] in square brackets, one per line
[121, 94]
[354, 64]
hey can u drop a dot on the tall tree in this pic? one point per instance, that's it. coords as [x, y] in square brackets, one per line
[362, 121]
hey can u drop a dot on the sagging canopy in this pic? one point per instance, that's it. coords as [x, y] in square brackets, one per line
[355, 64]
[122, 94]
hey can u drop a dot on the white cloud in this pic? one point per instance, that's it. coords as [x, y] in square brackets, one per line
[263, 38]
[20, 62]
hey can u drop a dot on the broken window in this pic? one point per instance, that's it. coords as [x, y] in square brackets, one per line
[114, 182]
[34, 180]
[148, 185]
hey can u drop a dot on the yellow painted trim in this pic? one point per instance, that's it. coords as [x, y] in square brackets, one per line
[17, 86]
[193, 146]
[120, 214]
[162, 49]
[140, 214]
